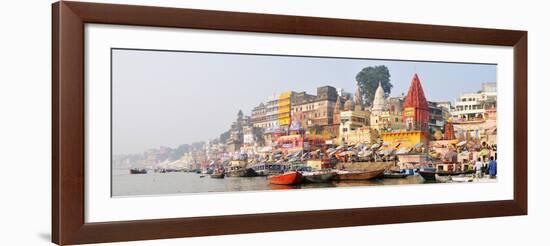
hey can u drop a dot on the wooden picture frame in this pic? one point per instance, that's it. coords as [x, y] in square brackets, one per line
[68, 122]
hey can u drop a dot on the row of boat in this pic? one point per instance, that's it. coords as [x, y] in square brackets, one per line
[432, 174]
[290, 174]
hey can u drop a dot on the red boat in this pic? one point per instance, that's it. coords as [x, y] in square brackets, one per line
[288, 178]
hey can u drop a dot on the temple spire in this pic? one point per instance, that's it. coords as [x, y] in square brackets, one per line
[416, 114]
[379, 102]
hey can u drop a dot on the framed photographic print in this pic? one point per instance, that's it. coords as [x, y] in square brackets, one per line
[177, 122]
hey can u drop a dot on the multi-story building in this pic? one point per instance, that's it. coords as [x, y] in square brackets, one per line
[471, 106]
[436, 119]
[352, 118]
[272, 113]
[315, 111]
[283, 108]
[258, 116]
[236, 132]
[326, 101]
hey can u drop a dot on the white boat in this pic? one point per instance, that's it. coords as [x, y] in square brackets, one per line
[462, 178]
[443, 179]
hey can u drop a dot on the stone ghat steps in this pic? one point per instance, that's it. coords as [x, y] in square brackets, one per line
[367, 165]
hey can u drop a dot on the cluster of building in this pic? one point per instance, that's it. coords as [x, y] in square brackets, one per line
[297, 121]
[294, 121]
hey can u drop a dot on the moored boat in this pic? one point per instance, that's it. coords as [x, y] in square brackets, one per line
[217, 174]
[238, 168]
[427, 173]
[358, 174]
[394, 175]
[463, 178]
[288, 178]
[138, 171]
[267, 169]
[442, 179]
[318, 176]
[449, 173]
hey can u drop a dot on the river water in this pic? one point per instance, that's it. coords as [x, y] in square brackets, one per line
[125, 184]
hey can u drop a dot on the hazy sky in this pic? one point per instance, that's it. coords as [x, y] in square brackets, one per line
[172, 98]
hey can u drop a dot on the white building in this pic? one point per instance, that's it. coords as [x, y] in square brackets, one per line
[473, 105]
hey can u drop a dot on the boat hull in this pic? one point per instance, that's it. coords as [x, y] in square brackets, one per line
[289, 178]
[268, 173]
[247, 172]
[217, 175]
[443, 179]
[446, 173]
[427, 175]
[138, 171]
[319, 177]
[268, 169]
[462, 179]
[358, 175]
[395, 175]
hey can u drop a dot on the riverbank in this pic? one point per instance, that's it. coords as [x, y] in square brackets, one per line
[125, 184]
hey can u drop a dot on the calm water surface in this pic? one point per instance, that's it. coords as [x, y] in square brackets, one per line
[125, 184]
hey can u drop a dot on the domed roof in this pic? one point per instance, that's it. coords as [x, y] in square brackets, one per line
[348, 105]
[379, 103]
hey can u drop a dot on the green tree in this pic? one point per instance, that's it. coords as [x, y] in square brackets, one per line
[368, 78]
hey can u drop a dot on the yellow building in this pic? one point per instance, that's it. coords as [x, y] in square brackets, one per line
[360, 136]
[405, 139]
[283, 108]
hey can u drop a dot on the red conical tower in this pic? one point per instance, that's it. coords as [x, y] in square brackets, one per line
[416, 114]
[449, 131]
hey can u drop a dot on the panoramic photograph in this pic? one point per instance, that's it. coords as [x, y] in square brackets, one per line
[195, 122]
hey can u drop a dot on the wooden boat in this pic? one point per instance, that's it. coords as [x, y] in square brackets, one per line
[449, 173]
[217, 174]
[318, 176]
[428, 173]
[241, 172]
[267, 169]
[462, 178]
[394, 175]
[138, 171]
[239, 169]
[443, 179]
[288, 178]
[358, 174]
